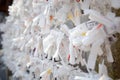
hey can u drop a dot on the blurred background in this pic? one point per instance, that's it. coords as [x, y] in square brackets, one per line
[4, 72]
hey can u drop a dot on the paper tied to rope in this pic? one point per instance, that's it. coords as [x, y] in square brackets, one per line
[109, 25]
[40, 21]
[72, 54]
[94, 52]
[108, 52]
[103, 69]
[49, 45]
[61, 14]
[48, 39]
[59, 36]
[65, 29]
[80, 32]
[39, 47]
[94, 35]
[52, 43]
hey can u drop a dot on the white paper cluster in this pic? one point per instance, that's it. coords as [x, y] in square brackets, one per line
[59, 39]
